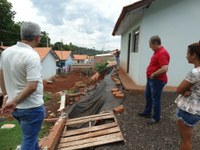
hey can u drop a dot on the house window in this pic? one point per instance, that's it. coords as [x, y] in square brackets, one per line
[135, 41]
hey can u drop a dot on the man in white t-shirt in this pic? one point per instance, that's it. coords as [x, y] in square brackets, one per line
[21, 83]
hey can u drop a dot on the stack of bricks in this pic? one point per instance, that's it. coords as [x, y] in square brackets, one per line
[117, 93]
[116, 80]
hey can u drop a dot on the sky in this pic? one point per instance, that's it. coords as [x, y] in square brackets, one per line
[85, 23]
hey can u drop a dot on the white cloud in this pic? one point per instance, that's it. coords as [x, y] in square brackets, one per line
[85, 23]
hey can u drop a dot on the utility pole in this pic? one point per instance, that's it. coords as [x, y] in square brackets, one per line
[47, 40]
[61, 49]
[61, 44]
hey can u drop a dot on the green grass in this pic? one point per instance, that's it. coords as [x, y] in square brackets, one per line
[47, 96]
[10, 138]
[100, 67]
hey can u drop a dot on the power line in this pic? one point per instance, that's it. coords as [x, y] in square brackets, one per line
[5, 31]
[10, 32]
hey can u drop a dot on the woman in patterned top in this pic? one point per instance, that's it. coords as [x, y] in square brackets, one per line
[188, 101]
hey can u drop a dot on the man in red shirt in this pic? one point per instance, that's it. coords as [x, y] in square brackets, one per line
[156, 80]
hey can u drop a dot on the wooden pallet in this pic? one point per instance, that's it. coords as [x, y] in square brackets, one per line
[93, 135]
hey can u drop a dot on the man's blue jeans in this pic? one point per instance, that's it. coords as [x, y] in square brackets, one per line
[30, 121]
[153, 92]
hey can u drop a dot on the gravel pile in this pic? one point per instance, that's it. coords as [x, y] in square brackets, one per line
[141, 136]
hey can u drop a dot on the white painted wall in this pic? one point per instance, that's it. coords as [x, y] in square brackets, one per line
[135, 60]
[177, 23]
[68, 61]
[48, 66]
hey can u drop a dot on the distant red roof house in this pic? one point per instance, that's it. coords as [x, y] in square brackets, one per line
[103, 57]
[48, 60]
[65, 59]
[63, 55]
[43, 51]
[80, 57]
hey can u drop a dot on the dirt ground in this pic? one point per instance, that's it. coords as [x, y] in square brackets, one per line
[59, 83]
[63, 82]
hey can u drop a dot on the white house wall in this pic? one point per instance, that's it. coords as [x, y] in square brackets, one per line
[177, 23]
[48, 66]
[68, 61]
[123, 53]
[134, 63]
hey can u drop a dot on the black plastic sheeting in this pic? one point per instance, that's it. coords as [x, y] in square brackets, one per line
[97, 100]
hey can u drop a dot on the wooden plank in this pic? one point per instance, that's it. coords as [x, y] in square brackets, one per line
[62, 101]
[93, 118]
[92, 142]
[91, 129]
[90, 135]
[85, 117]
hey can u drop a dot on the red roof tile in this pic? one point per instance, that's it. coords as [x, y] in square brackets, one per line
[80, 57]
[63, 55]
[42, 51]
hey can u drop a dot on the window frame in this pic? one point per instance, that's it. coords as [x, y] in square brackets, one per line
[135, 40]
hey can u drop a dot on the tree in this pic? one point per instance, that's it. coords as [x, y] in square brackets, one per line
[72, 47]
[66, 47]
[45, 40]
[58, 46]
[9, 30]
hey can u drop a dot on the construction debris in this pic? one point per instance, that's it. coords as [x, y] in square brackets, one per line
[90, 136]
[85, 125]
[52, 139]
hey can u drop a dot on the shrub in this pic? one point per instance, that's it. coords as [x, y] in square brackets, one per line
[100, 67]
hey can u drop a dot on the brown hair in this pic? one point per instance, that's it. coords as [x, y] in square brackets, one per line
[194, 49]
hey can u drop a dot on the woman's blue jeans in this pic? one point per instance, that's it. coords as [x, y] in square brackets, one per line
[30, 121]
[153, 92]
